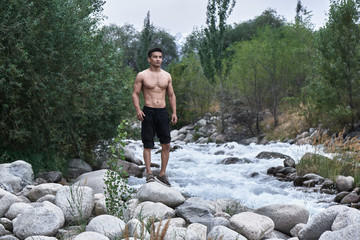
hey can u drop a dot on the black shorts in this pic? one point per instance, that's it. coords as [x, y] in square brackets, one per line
[156, 121]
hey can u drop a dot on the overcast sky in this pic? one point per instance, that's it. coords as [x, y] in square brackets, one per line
[181, 16]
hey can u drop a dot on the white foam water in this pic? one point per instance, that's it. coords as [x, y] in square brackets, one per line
[195, 170]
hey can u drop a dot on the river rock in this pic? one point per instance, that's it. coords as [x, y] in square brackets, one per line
[345, 219]
[270, 155]
[219, 221]
[284, 216]
[158, 210]
[77, 167]
[50, 177]
[295, 230]
[289, 162]
[130, 157]
[6, 201]
[131, 168]
[320, 223]
[94, 180]
[7, 223]
[287, 170]
[43, 220]
[107, 225]
[251, 225]
[235, 160]
[40, 238]
[100, 204]
[42, 190]
[224, 233]
[49, 198]
[212, 206]
[76, 203]
[351, 232]
[343, 183]
[194, 213]
[179, 233]
[135, 227]
[350, 198]
[231, 206]
[89, 235]
[17, 208]
[156, 192]
[199, 229]
[339, 197]
[15, 176]
[8, 237]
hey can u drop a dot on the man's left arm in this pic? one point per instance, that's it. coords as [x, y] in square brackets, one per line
[172, 102]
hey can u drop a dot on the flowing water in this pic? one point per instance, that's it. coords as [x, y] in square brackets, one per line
[194, 170]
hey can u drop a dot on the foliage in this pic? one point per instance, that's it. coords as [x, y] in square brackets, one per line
[117, 191]
[345, 160]
[144, 44]
[61, 88]
[338, 45]
[193, 91]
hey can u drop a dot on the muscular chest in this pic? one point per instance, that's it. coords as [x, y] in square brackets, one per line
[155, 82]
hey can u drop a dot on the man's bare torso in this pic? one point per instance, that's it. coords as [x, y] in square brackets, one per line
[154, 86]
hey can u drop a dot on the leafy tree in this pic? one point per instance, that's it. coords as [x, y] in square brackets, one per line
[338, 45]
[144, 43]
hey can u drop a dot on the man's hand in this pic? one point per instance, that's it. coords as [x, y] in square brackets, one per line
[174, 119]
[140, 115]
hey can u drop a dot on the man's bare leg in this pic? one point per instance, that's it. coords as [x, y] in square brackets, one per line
[164, 158]
[147, 159]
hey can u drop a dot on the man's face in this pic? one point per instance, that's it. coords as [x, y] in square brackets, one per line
[155, 59]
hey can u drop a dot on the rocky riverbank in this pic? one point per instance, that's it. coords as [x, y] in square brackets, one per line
[42, 209]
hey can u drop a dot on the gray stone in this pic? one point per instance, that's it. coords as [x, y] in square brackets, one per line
[285, 216]
[199, 229]
[89, 235]
[51, 177]
[212, 206]
[295, 230]
[224, 233]
[194, 213]
[6, 201]
[154, 210]
[180, 233]
[77, 167]
[231, 206]
[45, 220]
[8, 237]
[135, 227]
[235, 160]
[76, 203]
[49, 198]
[287, 170]
[7, 223]
[320, 223]
[16, 209]
[42, 190]
[270, 155]
[350, 198]
[100, 204]
[15, 176]
[345, 219]
[156, 192]
[289, 162]
[252, 225]
[343, 183]
[340, 196]
[94, 180]
[351, 232]
[219, 221]
[107, 225]
[130, 157]
[40, 238]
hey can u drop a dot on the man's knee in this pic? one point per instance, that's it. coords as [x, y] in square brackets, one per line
[166, 146]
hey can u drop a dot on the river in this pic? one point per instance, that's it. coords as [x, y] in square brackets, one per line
[194, 170]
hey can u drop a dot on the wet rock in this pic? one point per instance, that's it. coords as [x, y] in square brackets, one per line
[289, 162]
[340, 196]
[350, 198]
[287, 170]
[270, 155]
[235, 160]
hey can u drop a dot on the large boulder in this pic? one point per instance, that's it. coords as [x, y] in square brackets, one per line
[107, 225]
[224, 233]
[156, 192]
[285, 216]
[130, 157]
[351, 232]
[43, 220]
[195, 213]
[346, 218]
[52, 176]
[158, 211]
[320, 223]
[42, 190]
[76, 203]
[16, 175]
[94, 180]
[89, 235]
[18, 208]
[270, 155]
[343, 183]
[251, 225]
[77, 167]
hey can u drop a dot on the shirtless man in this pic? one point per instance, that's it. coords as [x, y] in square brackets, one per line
[155, 83]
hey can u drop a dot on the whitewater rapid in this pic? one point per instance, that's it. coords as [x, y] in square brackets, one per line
[195, 170]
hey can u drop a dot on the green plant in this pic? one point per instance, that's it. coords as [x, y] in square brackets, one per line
[117, 191]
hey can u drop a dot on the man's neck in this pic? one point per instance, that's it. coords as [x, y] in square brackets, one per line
[155, 69]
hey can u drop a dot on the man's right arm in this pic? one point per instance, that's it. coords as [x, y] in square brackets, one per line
[136, 97]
